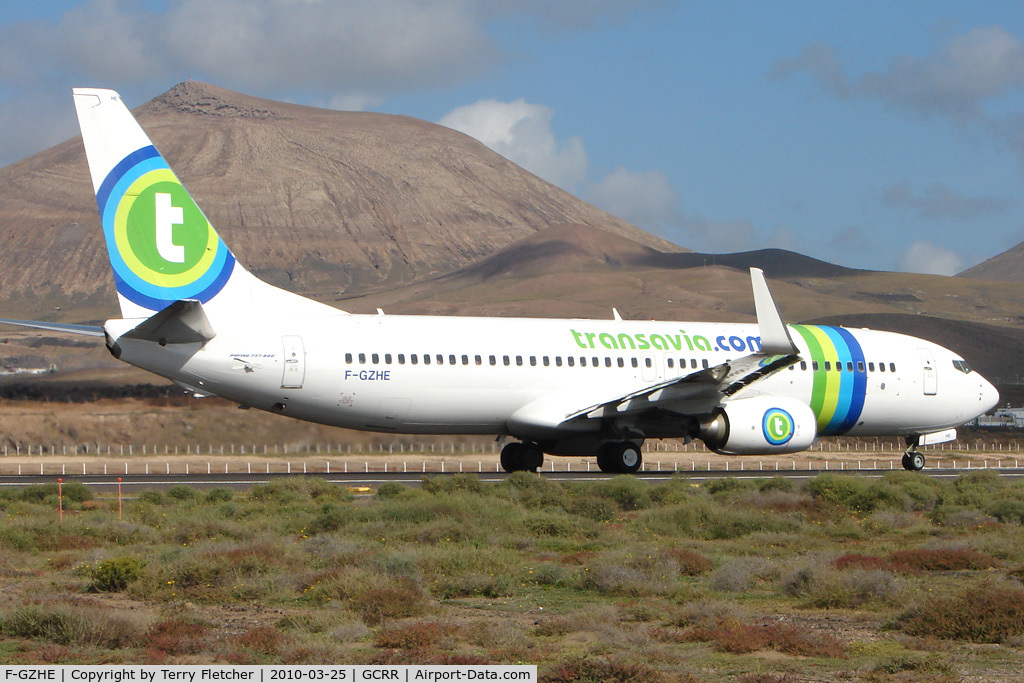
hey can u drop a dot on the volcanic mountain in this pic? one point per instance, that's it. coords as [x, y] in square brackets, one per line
[316, 200]
[1005, 267]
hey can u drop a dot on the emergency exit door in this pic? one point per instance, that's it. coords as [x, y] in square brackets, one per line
[294, 363]
[931, 380]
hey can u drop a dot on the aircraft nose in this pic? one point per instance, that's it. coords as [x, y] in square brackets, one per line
[989, 396]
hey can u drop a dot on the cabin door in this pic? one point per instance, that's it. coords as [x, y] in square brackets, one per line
[931, 381]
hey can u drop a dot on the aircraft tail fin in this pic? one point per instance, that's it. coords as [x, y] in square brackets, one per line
[161, 246]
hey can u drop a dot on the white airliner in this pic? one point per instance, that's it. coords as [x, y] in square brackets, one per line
[193, 314]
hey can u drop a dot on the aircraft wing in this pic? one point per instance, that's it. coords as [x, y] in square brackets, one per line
[697, 391]
[88, 330]
[710, 385]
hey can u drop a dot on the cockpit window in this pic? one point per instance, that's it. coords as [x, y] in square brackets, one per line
[962, 366]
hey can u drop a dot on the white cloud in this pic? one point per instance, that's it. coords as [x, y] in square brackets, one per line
[522, 132]
[982, 64]
[938, 201]
[927, 258]
[647, 200]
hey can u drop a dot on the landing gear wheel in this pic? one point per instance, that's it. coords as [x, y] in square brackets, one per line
[621, 457]
[913, 461]
[521, 457]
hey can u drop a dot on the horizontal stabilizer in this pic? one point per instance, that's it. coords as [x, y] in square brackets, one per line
[88, 330]
[183, 322]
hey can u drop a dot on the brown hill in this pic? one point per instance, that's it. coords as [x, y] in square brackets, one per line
[1005, 267]
[316, 200]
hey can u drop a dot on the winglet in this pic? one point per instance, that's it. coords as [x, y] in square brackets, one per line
[775, 339]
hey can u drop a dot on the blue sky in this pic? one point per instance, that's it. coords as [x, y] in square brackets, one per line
[884, 135]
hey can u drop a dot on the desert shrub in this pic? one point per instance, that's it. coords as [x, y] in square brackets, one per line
[182, 493]
[391, 489]
[219, 495]
[689, 562]
[729, 484]
[115, 574]
[923, 492]
[70, 625]
[454, 483]
[960, 516]
[414, 636]
[856, 494]
[988, 613]
[330, 517]
[738, 574]
[732, 522]
[775, 484]
[674, 521]
[1007, 510]
[849, 589]
[739, 638]
[398, 601]
[152, 497]
[554, 524]
[262, 639]
[929, 560]
[857, 561]
[176, 636]
[629, 493]
[593, 670]
[73, 491]
[974, 489]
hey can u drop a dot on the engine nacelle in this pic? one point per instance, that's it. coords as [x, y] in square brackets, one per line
[760, 425]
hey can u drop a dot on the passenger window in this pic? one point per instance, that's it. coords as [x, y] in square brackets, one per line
[693, 363]
[849, 366]
[828, 366]
[519, 360]
[622, 363]
[583, 361]
[401, 359]
[881, 367]
[792, 367]
[362, 358]
[414, 359]
[387, 358]
[647, 362]
[704, 362]
[671, 363]
[375, 358]
[607, 361]
[595, 361]
[547, 361]
[892, 367]
[426, 359]
[814, 365]
[571, 361]
[860, 366]
[558, 361]
[871, 367]
[634, 362]
[533, 361]
[451, 359]
[478, 359]
[803, 365]
[492, 360]
[465, 359]
[505, 360]
[440, 359]
[348, 358]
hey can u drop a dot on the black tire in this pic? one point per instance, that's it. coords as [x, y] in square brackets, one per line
[621, 457]
[606, 458]
[917, 461]
[908, 464]
[630, 458]
[533, 457]
[512, 457]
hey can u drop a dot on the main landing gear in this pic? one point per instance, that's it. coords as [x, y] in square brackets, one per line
[619, 457]
[521, 457]
[913, 459]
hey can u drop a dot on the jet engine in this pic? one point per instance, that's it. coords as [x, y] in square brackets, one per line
[759, 425]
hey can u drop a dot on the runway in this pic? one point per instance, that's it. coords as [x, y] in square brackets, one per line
[372, 480]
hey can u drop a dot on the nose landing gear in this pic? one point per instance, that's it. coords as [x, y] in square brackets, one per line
[913, 459]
